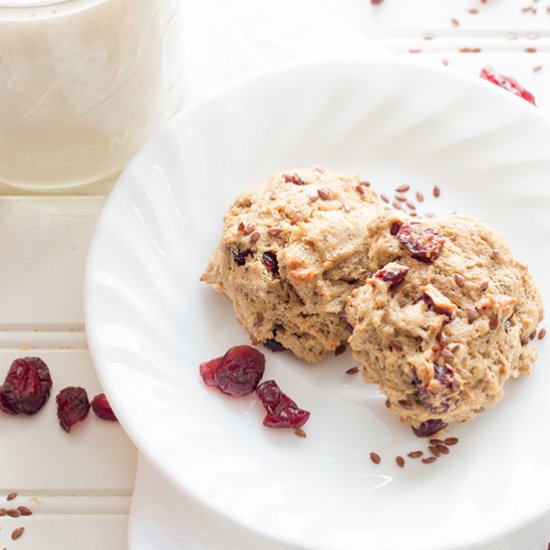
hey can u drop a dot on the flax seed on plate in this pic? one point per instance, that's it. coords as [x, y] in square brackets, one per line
[411, 205]
[531, 50]
[402, 188]
[455, 22]
[415, 454]
[13, 513]
[400, 461]
[436, 191]
[353, 370]
[542, 333]
[385, 197]
[429, 460]
[375, 458]
[451, 441]
[419, 196]
[11, 496]
[16, 533]
[300, 433]
[25, 511]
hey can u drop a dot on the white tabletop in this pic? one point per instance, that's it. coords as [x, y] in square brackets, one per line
[79, 485]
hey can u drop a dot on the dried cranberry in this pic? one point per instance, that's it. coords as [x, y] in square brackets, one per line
[239, 257]
[394, 228]
[436, 308]
[238, 372]
[508, 83]
[72, 406]
[270, 262]
[429, 427]
[422, 243]
[294, 178]
[394, 275]
[272, 345]
[207, 370]
[102, 408]
[282, 412]
[444, 375]
[27, 385]
[4, 406]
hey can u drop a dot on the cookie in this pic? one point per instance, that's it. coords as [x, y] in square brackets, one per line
[446, 318]
[292, 250]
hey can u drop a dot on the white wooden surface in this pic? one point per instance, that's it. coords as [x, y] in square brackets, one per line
[79, 485]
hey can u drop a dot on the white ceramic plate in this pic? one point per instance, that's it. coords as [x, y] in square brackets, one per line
[150, 322]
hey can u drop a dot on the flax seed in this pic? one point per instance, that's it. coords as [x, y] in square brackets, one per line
[451, 441]
[429, 460]
[533, 335]
[255, 237]
[353, 370]
[472, 313]
[24, 511]
[385, 197]
[542, 333]
[469, 50]
[240, 228]
[340, 349]
[493, 321]
[419, 196]
[249, 229]
[455, 22]
[396, 205]
[3, 512]
[436, 442]
[455, 348]
[324, 194]
[411, 205]
[436, 191]
[442, 449]
[531, 50]
[484, 286]
[460, 280]
[434, 451]
[400, 461]
[13, 513]
[295, 219]
[300, 433]
[447, 354]
[473, 11]
[365, 183]
[11, 496]
[415, 454]
[274, 230]
[402, 188]
[360, 190]
[16, 533]
[396, 344]
[375, 458]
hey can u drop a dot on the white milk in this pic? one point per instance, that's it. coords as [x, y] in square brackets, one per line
[83, 83]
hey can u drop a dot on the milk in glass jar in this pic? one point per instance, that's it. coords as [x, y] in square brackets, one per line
[83, 83]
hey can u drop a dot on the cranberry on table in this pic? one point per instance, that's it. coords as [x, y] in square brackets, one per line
[102, 408]
[72, 406]
[282, 412]
[26, 387]
[237, 373]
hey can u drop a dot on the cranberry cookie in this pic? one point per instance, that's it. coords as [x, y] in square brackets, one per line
[444, 320]
[292, 250]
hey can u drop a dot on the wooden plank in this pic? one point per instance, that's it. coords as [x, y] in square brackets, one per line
[44, 243]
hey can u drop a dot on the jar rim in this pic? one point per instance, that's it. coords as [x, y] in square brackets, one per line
[21, 9]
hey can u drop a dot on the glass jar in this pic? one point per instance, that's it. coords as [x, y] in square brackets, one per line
[83, 83]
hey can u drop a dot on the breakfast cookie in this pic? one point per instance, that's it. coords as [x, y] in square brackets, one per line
[292, 250]
[445, 319]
